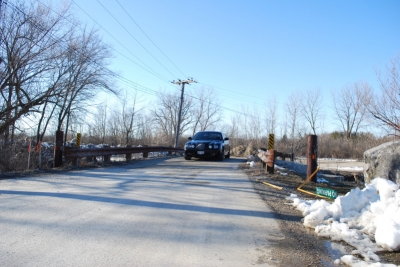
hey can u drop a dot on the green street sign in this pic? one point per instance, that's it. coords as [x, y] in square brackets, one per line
[326, 192]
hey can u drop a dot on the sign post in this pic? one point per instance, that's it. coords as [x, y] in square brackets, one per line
[78, 140]
[270, 155]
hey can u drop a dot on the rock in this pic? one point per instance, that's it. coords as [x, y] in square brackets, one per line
[383, 161]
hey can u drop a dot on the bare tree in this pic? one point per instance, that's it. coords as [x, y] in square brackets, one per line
[293, 123]
[255, 124]
[293, 112]
[99, 126]
[350, 108]
[85, 61]
[206, 111]
[245, 130]
[311, 108]
[233, 130]
[385, 107]
[114, 127]
[271, 115]
[29, 36]
[145, 131]
[165, 114]
[44, 120]
[129, 115]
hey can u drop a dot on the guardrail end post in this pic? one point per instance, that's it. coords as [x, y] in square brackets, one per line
[106, 158]
[75, 162]
[128, 156]
[145, 154]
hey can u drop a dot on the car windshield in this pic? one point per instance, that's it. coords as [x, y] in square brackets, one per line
[208, 136]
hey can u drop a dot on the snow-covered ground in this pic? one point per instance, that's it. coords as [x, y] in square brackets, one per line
[334, 165]
[367, 219]
[348, 165]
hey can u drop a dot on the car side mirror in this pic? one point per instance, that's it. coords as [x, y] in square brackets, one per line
[226, 138]
[190, 138]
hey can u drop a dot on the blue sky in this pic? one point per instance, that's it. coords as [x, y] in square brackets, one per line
[248, 51]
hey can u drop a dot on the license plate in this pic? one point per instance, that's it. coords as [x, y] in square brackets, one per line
[200, 152]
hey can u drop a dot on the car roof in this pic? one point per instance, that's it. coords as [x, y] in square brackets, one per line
[209, 132]
[217, 135]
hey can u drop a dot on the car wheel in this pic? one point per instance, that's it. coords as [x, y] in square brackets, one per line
[188, 158]
[221, 155]
[228, 155]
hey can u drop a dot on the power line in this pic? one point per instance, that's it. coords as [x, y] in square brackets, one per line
[135, 85]
[64, 43]
[149, 38]
[126, 81]
[225, 108]
[162, 78]
[150, 70]
[133, 37]
[247, 95]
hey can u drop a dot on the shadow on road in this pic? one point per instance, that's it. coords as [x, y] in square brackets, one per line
[142, 203]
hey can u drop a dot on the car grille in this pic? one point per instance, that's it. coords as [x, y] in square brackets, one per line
[201, 146]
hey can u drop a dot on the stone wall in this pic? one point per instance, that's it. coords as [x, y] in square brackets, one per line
[383, 161]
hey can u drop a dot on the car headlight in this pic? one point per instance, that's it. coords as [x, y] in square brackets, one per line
[189, 146]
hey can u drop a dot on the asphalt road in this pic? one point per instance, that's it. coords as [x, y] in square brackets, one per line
[156, 212]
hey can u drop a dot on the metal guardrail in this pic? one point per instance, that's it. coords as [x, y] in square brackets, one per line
[73, 153]
[283, 156]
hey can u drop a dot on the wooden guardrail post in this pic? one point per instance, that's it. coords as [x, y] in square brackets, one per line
[58, 149]
[106, 158]
[128, 156]
[267, 159]
[75, 162]
[270, 161]
[312, 157]
[145, 154]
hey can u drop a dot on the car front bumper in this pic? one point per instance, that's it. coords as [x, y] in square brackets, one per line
[202, 153]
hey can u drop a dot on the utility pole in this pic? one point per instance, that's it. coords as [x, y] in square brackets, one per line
[182, 83]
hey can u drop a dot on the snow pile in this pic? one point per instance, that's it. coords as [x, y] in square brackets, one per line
[368, 220]
[280, 170]
[251, 163]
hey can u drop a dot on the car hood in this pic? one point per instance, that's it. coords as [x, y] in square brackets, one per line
[204, 142]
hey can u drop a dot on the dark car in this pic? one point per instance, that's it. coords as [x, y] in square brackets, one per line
[208, 144]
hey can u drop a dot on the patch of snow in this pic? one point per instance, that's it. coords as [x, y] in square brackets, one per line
[358, 218]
